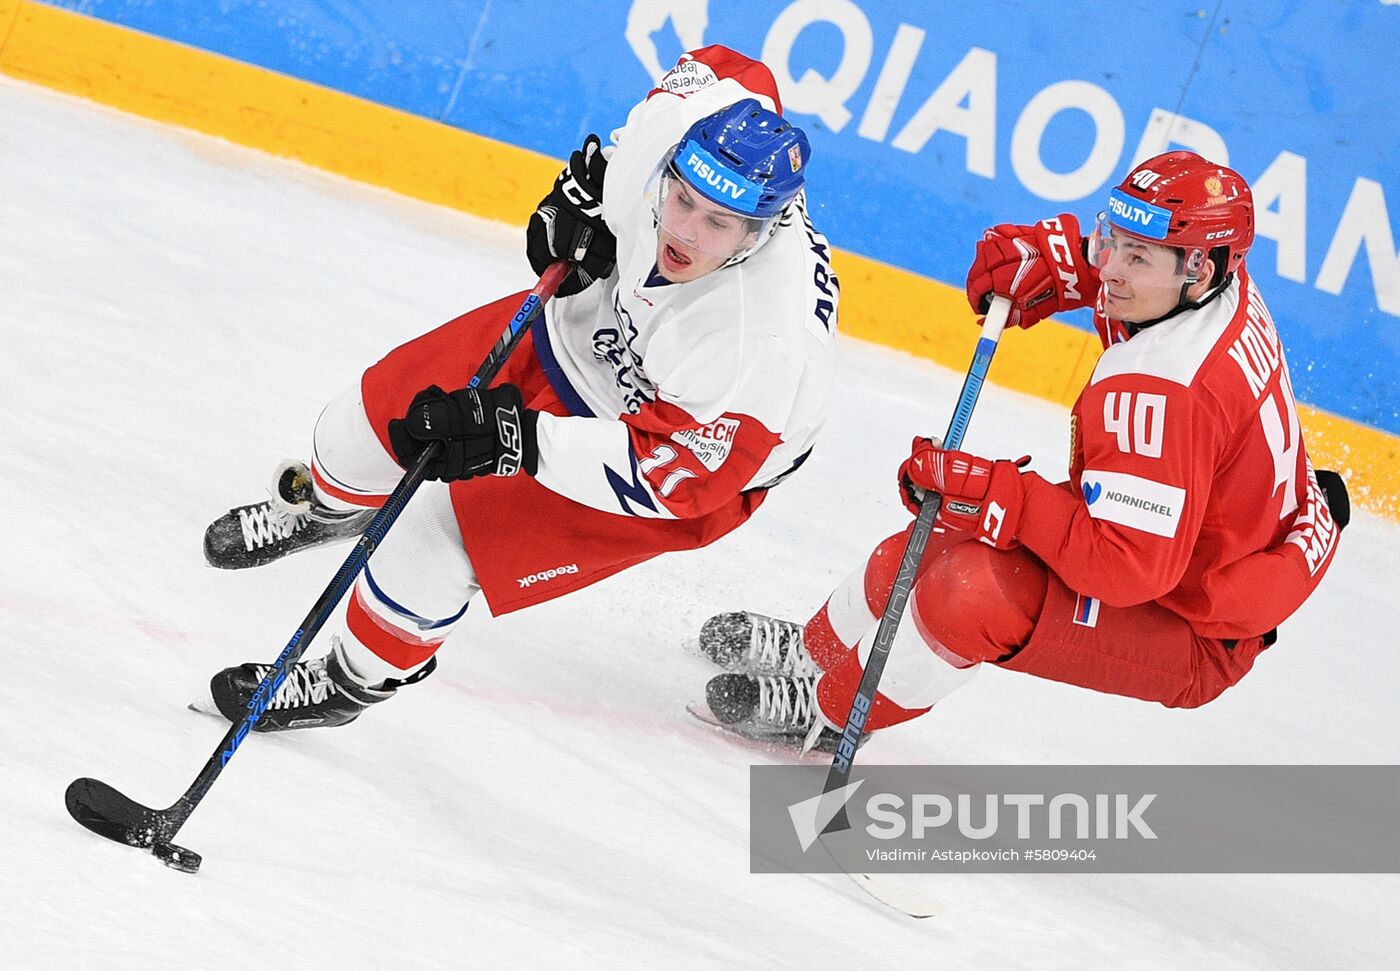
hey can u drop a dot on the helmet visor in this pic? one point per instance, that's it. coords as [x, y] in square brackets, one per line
[685, 214]
[1145, 263]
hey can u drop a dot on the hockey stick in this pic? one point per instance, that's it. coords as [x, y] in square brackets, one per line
[108, 813]
[842, 762]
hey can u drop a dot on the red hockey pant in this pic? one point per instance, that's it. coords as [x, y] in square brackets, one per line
[510, 538]
[973, 604]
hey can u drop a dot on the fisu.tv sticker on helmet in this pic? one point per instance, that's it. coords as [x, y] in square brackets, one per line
[1130, 500]
[1138, 217]
[715, 180]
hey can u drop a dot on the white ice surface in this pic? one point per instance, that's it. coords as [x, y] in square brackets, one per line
[173, 313]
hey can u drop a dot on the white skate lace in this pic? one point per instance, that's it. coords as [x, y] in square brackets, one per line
[269, 522]
[307, 684]
[776, 646]
[788, 703]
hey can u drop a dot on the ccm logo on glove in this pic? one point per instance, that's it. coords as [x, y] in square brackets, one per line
[980, 496]
[568, 223]
[479, 432]
[1041, 269]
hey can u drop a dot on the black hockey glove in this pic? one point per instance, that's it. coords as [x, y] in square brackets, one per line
[568, 223]
[1334, 488]
[485, 432]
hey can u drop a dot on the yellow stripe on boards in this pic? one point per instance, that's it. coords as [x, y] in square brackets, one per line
[9, 12]
[1368, 458]
[913, 313]
[371, 143]
[890, 306]
[252, 106]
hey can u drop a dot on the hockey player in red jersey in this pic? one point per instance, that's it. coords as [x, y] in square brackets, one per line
[1192, 524]
[682, 371]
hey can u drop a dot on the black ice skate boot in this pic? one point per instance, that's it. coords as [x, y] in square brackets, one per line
[755, 644]
[316, 694]
[782, 710]
[290, 519]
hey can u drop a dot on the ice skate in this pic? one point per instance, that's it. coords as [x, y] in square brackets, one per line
[749, 643]
[321, 693]
[780, 710]
[290, 519]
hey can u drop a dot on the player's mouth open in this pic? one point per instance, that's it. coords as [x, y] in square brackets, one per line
[676, 257]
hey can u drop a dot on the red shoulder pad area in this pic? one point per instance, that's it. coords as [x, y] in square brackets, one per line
[698, 68]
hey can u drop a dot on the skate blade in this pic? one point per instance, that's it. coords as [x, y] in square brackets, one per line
[768, 744]
[204, 705]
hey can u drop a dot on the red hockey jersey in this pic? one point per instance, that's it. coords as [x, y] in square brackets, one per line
[1191, 484]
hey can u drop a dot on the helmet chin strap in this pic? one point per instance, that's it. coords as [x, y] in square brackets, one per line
[768, 234]
[1182, 304]
[1185, 287]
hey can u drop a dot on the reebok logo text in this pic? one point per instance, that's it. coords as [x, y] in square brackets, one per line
[543, 575]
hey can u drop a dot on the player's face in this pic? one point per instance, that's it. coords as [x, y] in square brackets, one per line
[694, 236]
[1141, 280]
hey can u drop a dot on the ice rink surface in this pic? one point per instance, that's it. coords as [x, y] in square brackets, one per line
[174, 313]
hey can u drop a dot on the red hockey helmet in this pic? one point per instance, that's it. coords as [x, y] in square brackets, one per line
[1182, 200]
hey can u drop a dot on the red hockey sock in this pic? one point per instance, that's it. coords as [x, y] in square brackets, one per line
[857, 604]
[370, 624]
[971, 603]
[837, 689]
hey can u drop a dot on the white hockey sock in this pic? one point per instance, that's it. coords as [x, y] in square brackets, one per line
[920, 671]
[412, 594]
[847, 610]
[350, 468]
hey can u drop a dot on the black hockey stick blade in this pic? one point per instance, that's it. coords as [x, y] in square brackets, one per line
[111, 815]
[108, 813]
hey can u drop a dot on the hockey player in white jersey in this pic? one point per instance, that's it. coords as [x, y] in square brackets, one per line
[681, 372]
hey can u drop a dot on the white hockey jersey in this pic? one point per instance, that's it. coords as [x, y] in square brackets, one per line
[683, 395]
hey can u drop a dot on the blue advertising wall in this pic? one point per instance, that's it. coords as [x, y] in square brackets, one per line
[931, 121]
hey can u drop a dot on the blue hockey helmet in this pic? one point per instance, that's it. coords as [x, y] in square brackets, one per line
[745, 158]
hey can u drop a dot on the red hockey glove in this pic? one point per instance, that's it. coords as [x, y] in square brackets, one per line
[1040, 268]
[980, 496]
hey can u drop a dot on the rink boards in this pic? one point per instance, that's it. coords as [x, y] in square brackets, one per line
[924, 132]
